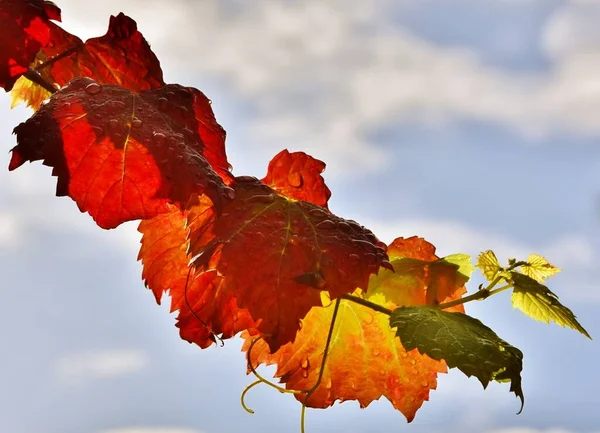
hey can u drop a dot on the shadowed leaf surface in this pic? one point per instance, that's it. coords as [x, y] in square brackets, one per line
[164, 254]
[462, 341]
[123, 155]
[122, 56]
[24, 30]
[365, 360]
[166, 269]
[538, 302]
[276, 254]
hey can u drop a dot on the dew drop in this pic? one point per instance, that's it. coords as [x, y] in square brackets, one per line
[305, 373]
[246, 179]
[93, 88]
[261, 198]
[375, 352]
[229, 193]
[295, 179]
[424, 384]
[113, 124]
[344, 226]
[354, 256]
[136, 123]
[472, 358]
[326, 225]
[328, 384]
[163, 103]
[305, 363]
[159, 138]
[400, 324]
[413, 362]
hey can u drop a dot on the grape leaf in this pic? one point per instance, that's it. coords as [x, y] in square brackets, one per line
[164, 254]
[277, 253]
[538, 268]
[298, 175]
[24, 29]
[462, 341]
[123, 155]
[489, 265]
[415, 260]
[365, 361]
[202, 311]
[538, 302]
[122, 56]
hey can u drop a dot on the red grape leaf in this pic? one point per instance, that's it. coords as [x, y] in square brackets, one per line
[298, 175]
[122, 56]
[123, 155]
[24, 29]
[276, 254]
[165, 258]
[166, 268]
[365, 359]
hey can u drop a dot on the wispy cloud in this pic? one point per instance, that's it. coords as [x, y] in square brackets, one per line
[98, 365]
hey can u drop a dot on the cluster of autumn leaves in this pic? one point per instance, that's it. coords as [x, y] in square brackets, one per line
[238, 254]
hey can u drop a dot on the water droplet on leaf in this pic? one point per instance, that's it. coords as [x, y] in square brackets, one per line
[93, 88]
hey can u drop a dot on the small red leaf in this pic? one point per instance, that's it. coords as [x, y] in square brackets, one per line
[298, 175]
[122, 56]
[24, 29]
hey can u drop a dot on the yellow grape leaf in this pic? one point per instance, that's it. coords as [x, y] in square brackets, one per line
[365, 360]
[488, 263]
[538, 268]
[537, 301]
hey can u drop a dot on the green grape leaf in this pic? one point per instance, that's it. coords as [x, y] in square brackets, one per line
[463, 261]
[537, 301]
[462, 341]
[538, 268]
[489, 265]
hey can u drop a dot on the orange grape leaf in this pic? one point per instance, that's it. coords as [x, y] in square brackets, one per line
[122, 56]
[123, 155]
[203, 308]
[365, 361]
[24, 29]
[276, 254]
[298, 175]
[202, 312]
[419, 268]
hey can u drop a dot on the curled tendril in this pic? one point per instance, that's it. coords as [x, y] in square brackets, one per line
[308, 393]
[187, 303]
[260, 379]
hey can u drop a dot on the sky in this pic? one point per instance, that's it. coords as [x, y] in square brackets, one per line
[472, 124]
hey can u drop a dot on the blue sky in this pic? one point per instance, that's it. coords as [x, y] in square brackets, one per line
[473, 124]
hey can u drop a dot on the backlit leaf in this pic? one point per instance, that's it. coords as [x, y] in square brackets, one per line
[122, 56]
[202, 310]
[24, 29]
[275, 254]
[419, 268]
[488, 264]
[538, 268]
[123, 155]
[537, 301]
[298, 175]
[462, 341]
[365, 361]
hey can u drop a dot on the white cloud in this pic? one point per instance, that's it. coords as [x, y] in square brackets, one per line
[98, 365]
[324, 74]
[151, 430]
[8, 230]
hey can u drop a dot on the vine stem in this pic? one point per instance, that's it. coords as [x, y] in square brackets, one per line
[33, 75]
[481, 294]
[322, 371]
